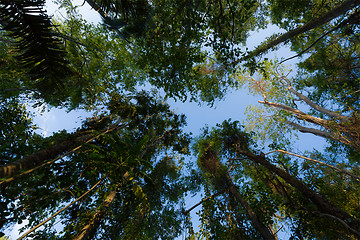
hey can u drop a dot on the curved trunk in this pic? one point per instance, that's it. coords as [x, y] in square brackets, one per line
[40, 157]
[89, 230]
[323, 205]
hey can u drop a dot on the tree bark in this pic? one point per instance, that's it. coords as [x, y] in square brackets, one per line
[299, 114]
[256, 222]
[41, 156]
[327, 17]
[343, 131]
[314, 105]
[62, 209]
[317, 161]
[89, 229]
[323, 205]
[314, 131]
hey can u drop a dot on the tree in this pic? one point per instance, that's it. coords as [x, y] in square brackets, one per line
[228, 143]
[119, 164]
[121, 174]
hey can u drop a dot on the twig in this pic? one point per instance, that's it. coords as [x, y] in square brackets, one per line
[349, 20]
[353, 231]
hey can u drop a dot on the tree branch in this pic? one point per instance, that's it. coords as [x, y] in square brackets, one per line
[37, 159]
[299, 114]
[312, 104]
[314, 131]
[332, 14]
[317, 161]
[61, 210]
[352, 18]
[202, 201]
[352, 230]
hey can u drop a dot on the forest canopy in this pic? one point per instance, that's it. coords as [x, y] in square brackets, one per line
[128, 171]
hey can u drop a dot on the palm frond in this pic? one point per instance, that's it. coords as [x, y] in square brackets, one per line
[38, 48]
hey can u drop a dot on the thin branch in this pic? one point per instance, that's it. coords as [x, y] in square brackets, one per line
[343, 23]
[61, 210]
[347, 94]
[299, 114]
[327, 17]
[202, 201]
[312, 104]
[314, 131]
[317, 161]
[352, 230]
[82, 44]
[16, 89]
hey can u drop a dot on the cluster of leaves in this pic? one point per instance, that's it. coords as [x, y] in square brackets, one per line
[39, 49]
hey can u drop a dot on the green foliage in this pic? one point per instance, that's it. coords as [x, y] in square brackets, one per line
[138, 162]
[277, 202]
[40, 51]
[190, 50]
[17, 137]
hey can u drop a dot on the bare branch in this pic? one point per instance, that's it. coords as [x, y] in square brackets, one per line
[314, 131]
[327, 17]
[352, 230]
[11, 170]
[299, 114]
[317, 161]
[312, 104]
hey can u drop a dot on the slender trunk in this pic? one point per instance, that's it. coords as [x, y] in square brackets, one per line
[344, 131]
[314, 131]
[41, 156]
[38, 158]
[317, 161]
[299, 114]
[323, 205]
[327, 17]
[210, 163]
[15, 89]
[61, 210]
[89, 229]
[256, 222]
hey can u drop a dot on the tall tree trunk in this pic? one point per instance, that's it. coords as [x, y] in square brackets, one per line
[323, 205]
[54, 151]
[313, 105]
[89, 229]
[210, 163]
[256, 222]
[41, 156]
[345, 131]
[327, 17]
